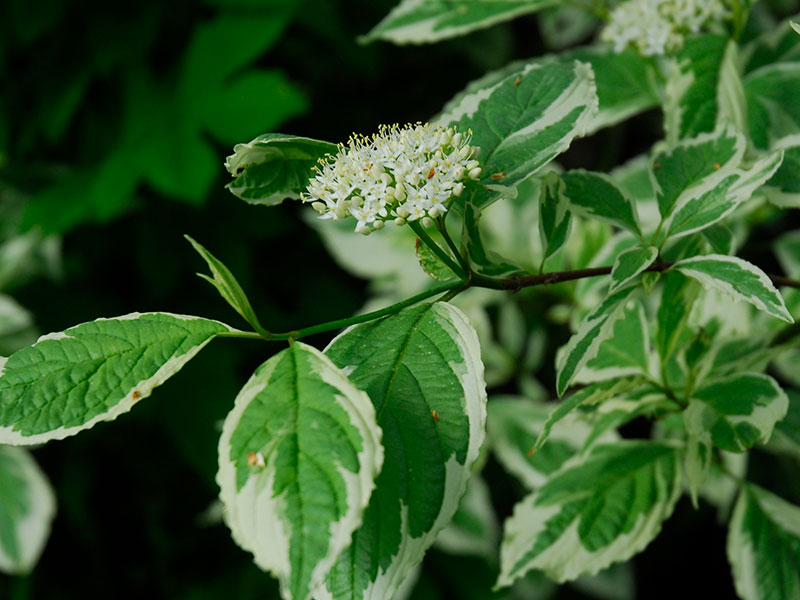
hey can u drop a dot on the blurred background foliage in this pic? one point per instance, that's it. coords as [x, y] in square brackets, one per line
[115, 120]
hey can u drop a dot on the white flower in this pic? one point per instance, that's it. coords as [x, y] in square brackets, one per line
[656, 27]
[400, 174]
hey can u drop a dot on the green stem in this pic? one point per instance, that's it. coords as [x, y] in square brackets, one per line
[370, 316]
[245, 335]
[416, 226]
[452, 245]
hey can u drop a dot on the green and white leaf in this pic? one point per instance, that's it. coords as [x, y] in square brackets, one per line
[27, 507]
[775, 45]
[704, 89]
[298, 457]
[764, 546]
[432, 264]
[274, 166]
[420, 360]
[599, 196]
[597, 393]
[426, 21]
[698, 453]
[555, 218]
[515, 424]
[629, 264]
[738, 411]
[772, 113]
[737, 278]
[600, 508]
[227, 286]
[526, 119]
[474, 529]
[626, 352]
[714, 200]
[700, 162]
[584, 344]
[783, 189]
[69, 381]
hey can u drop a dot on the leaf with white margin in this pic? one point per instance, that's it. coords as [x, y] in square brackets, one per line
[599, 196]
[704, 89]
[783, 188]
[425, 21]
[739, 279]
[600, 508]
[704, 161]
[27, 507]
[555, 217]
[514, 425]
[274, 166]
[597, 393]
[474, 529]
[764, 546]
[775, 45]
[629, 264]
[698, 452]
[713, 201]
[67, 382]
[421, 367]
[626, 352]
[772, 113]
[739, 410]
[582, 347]
[523, 121]
[298, 457]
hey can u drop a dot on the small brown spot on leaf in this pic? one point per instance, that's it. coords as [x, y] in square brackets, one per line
[717, 166]
[655, 164]
[135, 395]
[532, 451]
[435, 416]
[517, 81]
[252, 459]
[498, 176]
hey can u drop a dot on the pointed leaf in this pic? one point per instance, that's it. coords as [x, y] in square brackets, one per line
[421, 368]
[596, 327]
[597, 195]
[555, 217]
[274, 166]
[67, 382]
[771, 113]
[600, 508]
[425, 21]
[432, 264]
[739, 411]
[739, 279]
[298, 457]
[712, 202]
[698, 454]
[27, 506]
[227, 286]
[629, 264]
[764, 546]
[515, 424]
[523, 121]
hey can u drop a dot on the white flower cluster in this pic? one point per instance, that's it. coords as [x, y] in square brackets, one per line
[658, 26]
[399, 174]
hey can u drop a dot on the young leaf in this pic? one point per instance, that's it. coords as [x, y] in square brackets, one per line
[421, 368]
[425, 21]
[298, 457]
[629, 264]
[27, 506]
[274, 166]
[600, 508]
[701, 161]
[764, 546]
[513, 426]
[592, 331]
[704, 89]
[486, 261]
[739, 279]
[783, 188]
[597, 195]
[69, 381]
[555, 217]
[432, 264]
[739, 411]
[523, 121]
[714, 200]
[227, 286]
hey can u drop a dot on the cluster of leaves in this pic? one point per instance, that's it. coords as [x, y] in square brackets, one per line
[339, 469]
